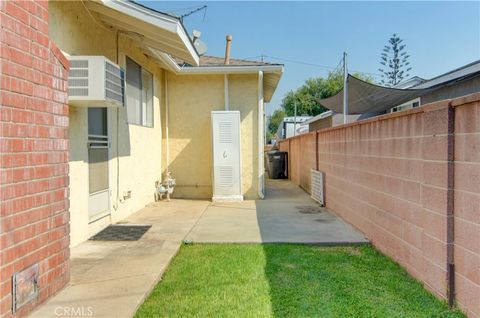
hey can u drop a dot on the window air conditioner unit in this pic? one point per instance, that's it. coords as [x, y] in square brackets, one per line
[95, 81]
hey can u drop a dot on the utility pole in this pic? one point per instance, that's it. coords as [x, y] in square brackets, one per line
[295, 119]
[345, 89]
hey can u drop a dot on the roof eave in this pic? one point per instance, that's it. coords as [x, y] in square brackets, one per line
[158, 19]
[272, 73]
[271, 78]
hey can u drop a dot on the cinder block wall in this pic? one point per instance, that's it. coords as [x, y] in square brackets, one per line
[34, 225]
[388, 176]
[467, 203]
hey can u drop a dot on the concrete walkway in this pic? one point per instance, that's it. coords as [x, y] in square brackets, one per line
[111, 279]
[287, 215]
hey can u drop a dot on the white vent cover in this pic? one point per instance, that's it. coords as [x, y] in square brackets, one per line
[225, 177]
[317, 186]
[226, 156]
[95, 81]
[226, 132]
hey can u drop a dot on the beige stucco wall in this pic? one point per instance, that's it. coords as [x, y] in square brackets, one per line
[243, 93]
[136, 158]
[191, 100]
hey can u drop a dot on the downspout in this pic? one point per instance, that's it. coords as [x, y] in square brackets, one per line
[167, 143]
[261, 168]
[117, 113]
[227, 98]
[450, 206]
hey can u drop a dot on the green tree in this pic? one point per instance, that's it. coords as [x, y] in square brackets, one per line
[275, 120]
[315, 88]
[395, 62]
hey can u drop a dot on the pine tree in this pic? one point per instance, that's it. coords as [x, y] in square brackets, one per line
[395, 62]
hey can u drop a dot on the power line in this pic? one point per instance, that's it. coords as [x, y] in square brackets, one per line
[298, 62]
[339, 65]
[309, 63]
[252, 57]
[173, 10]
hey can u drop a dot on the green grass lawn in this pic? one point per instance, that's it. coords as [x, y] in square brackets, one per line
[282, 280]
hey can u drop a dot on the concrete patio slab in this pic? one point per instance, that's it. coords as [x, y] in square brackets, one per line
[287, 215]
[111, 279]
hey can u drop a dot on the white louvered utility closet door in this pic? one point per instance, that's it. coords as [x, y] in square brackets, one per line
[226, 156]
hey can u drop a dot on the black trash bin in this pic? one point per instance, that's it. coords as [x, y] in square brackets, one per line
[277, 164]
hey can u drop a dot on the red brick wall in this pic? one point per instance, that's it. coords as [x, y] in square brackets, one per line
[34, 224]
[388, 177]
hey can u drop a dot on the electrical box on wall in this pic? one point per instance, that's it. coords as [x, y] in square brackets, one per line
[227, 176]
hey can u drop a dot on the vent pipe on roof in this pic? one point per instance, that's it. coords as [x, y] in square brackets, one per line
[227, 50]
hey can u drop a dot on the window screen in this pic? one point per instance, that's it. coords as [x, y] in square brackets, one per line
[97, 169]
[134, 92]
[98, 149]
[97, 121]
[139, 95]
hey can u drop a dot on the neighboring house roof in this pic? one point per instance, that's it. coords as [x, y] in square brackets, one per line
[299, 119]
[458, 73]
[323, 115]
[413, 81]
[154, 30]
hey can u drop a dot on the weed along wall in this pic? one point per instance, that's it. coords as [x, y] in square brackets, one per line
[410, 182]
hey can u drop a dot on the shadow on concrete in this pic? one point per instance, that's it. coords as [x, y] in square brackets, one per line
[289, 215]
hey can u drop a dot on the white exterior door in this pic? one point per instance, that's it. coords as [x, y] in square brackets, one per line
[98, 185]
[226, 156]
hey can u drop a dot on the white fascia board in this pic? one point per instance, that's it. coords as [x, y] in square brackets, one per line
[186, 39]
[231, 69]
[166, 59]
[163, 21]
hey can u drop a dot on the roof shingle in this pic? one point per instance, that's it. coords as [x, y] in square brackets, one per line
[212, 61]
